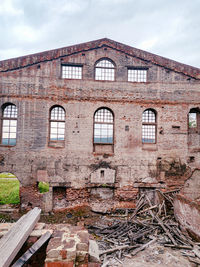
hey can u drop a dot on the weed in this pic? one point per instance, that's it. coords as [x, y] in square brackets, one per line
[43, 187]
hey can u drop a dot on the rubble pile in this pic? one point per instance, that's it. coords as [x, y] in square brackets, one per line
[130, 233]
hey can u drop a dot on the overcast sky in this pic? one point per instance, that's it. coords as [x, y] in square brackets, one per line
[170, 28]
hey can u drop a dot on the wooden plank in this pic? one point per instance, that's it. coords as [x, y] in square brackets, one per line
[178, 246]
[117, 248]
[13, 240]
[32, 250]
[196, 251]
[143, 246]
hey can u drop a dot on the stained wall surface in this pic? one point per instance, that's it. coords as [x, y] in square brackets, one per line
[34, 84]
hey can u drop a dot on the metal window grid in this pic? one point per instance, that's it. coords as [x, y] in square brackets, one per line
[103, 115]
[9, 125]
[10, 111]
[103, 126]
[149, 126]
[105, 71]
[72, 72]
[137, 75]
[57, 124]
[148, 116]
[148, 133]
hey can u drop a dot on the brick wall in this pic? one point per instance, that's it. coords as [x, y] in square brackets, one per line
[36, 87]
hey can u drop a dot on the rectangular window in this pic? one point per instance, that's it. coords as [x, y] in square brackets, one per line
[9, 132]
[137, 75]
[103, 133]
[57, 131]
[72, 72]
[105, 74]
[148, 134]
[192, 120]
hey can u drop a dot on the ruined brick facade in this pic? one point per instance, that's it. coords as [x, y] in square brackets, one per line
[112, 173]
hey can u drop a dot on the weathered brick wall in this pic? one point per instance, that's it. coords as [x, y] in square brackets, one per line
[34, 89]
[187, 212]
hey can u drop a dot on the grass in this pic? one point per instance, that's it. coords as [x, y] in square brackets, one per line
[7, 175]
[9, 191]
[43, 187]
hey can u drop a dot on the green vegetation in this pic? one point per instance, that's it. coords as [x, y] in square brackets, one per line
[7, 175]
[43, 187]
[9, 191]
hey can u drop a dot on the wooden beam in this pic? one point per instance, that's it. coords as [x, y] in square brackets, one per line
[13, 240]
[32, 250]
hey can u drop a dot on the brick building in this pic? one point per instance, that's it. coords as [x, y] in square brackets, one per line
[101, 122]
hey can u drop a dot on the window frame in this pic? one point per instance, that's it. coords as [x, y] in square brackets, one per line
[71, 65]
[3, 107]
[195, 111]
[112, 68]
[53, 120]
[150, 124]
[113, 130]
[137, 69]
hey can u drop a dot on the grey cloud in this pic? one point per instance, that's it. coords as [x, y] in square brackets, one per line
[168, 28]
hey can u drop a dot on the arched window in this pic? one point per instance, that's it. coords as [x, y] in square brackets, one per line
[105, 70]
[149, 126]
[57, 124]
[103, 126]
[9, 125]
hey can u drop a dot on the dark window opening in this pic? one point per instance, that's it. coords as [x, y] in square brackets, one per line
[102, 173]
[59, 197]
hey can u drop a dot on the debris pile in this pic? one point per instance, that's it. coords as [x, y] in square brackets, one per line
[149, 223]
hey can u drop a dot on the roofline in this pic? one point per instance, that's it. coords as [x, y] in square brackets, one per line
[28, 60]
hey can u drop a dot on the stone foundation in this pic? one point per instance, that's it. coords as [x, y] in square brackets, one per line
[69, 246]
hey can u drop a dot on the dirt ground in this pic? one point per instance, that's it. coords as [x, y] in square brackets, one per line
[154, 256]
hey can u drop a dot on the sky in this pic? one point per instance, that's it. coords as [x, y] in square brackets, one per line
[169, 28]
